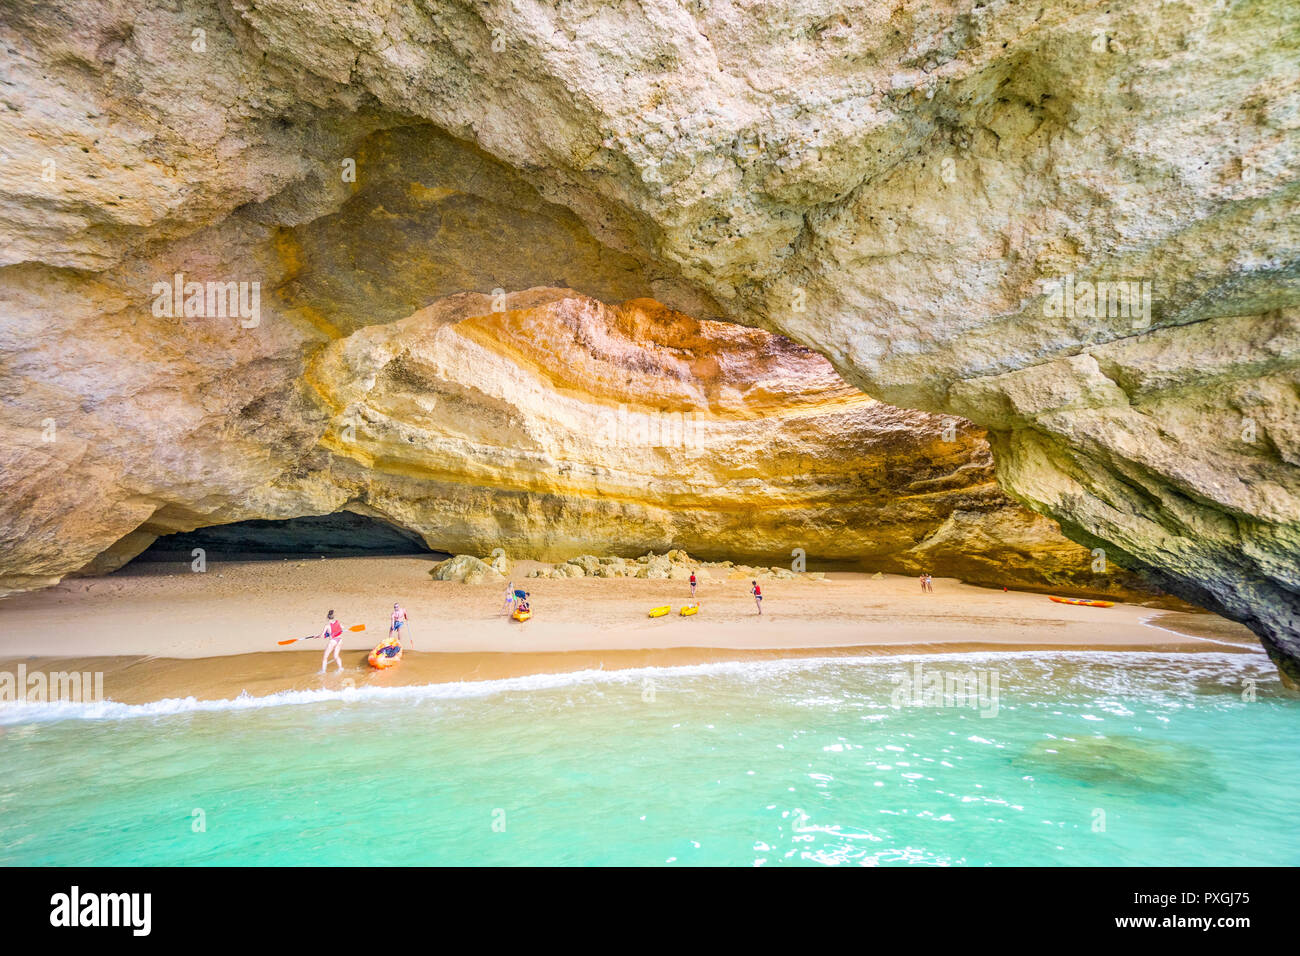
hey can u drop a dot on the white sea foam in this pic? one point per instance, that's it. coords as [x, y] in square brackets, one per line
[1182, 668]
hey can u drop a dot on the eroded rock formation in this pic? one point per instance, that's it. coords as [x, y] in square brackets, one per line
[891, 186]
[560, 426]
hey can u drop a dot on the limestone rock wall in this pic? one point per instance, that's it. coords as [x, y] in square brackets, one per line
[561, 426]
[571, 426]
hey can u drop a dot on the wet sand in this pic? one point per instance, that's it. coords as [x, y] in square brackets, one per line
[160, 630]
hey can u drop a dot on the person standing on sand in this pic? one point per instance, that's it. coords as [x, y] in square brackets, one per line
[757, 591]
[692, 585]
[333, 634]
[922, 582]
[398, 622]
[929, 582]
[509, 606]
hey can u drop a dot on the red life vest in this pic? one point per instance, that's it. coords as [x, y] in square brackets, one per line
[335, 628]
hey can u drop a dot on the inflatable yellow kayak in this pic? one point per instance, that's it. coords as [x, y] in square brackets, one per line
[1061, 600]
[689, 609]
[522, 615]
[386, 654]
[660, 611]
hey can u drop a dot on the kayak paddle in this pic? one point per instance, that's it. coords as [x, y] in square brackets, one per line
[354, 627]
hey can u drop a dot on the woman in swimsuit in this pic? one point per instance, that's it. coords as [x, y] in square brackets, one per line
[758, 595]
[510, 598]
[333, 634]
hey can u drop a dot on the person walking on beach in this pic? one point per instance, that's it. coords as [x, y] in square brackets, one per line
[509, 606]
[333, 634]
[758, 595]
[399, 621]
[692, 585]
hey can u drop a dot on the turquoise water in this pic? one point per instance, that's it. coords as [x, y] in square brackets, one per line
[1126, 759]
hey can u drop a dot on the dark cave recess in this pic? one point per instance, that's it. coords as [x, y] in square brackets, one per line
[342, 534]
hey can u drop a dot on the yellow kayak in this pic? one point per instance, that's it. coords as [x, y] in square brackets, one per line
[522, 615]
[660, 611]
[689, 609]
[1061, 600]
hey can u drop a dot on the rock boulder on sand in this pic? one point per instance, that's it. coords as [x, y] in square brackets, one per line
[589, 563]
[465, 569]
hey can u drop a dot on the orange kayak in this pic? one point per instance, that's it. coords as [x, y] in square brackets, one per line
[1061, 600]
[382, 657]
[522, 615]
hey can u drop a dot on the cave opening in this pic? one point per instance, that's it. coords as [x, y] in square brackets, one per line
[342, 534]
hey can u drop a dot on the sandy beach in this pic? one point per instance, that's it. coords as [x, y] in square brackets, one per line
[160, 630]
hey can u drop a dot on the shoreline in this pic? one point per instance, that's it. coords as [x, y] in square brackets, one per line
[158, 633]
[143, 680]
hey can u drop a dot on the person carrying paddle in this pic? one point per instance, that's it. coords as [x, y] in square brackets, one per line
[758, 595]
[333, 635]
[399, 621]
